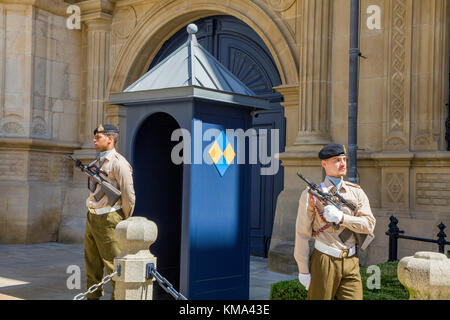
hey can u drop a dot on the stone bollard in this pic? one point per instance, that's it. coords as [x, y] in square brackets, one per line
[426, 276]
[134, 235]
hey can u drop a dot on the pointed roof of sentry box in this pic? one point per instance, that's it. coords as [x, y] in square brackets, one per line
[190, 65]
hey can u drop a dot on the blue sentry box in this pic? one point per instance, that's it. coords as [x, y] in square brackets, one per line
[202, 211]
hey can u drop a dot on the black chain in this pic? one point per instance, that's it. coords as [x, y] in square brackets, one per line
[163, 283]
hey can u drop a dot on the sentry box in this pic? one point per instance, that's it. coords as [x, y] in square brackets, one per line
[187, 176]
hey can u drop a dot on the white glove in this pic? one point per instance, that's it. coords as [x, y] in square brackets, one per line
[305, 279]
[332, 214]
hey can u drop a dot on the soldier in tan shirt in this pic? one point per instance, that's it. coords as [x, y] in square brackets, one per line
[333, 268]
[100, 246]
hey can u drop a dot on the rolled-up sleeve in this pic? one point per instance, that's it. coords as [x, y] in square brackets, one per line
[363, 221]
[303, 232]
[125, 180]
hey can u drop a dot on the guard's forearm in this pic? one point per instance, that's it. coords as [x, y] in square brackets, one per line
[357, 224]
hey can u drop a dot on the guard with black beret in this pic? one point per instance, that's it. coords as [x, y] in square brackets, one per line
[332, 150]
[106, 128]
[332, 270]
[100, 245]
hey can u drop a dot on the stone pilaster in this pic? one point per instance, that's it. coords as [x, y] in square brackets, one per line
[429, 69]
[315, 67]
[312, 130]
[398, 84]
[96, 16]
[290, 104]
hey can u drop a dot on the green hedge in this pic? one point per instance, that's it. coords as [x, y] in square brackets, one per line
[390, 287]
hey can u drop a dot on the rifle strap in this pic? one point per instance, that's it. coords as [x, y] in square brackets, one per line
[313, 201]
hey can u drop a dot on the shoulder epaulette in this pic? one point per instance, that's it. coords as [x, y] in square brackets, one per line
[353, 184]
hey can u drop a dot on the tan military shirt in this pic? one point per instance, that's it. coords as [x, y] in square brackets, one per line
[120, 176]
[361, 222]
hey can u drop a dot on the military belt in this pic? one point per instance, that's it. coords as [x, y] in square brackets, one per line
[104, 210]
[337, 253]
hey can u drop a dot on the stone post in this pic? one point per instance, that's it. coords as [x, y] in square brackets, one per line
[135, 235]
[426, 276]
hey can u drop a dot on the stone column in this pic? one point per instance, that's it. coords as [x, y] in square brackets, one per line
[426, 276]
[96, 16]
[134, 235]
[315, 75]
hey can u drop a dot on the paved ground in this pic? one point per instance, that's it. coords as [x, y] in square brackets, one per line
[39, 272]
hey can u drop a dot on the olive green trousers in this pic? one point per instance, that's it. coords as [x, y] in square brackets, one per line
[100, 248]
[334, 277]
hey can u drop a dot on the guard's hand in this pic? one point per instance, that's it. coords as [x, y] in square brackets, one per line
[332, 214]
[305, 279]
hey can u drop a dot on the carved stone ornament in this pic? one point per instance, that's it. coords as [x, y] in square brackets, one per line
[124, 22]
[396, 113]
[39, 127]
[395, 187]
[280, 5]
[13, 128]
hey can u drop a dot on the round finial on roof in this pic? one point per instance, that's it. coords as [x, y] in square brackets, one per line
[192, 28]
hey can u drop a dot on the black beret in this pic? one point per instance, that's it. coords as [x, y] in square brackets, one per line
[106, 128]
[332, 150]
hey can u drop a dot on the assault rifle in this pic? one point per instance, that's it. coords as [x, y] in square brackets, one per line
[315, 190]
[93, 172]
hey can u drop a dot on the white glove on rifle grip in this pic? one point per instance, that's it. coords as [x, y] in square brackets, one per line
[332, 214]
[305, 279]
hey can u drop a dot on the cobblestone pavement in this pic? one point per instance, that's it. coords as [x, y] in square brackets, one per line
[39, 272]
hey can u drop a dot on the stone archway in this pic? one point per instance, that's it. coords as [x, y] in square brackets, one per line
[158, 25]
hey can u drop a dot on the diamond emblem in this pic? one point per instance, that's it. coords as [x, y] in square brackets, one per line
[222, 153]
[215, 153]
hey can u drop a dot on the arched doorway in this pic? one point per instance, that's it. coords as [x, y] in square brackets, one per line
[244, 53]
[158, 185]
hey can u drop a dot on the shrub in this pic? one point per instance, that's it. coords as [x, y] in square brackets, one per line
[390, 287]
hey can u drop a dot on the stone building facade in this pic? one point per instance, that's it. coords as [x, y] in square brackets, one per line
[55, 83]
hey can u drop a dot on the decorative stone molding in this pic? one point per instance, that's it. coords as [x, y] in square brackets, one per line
[287, 9]
[426, 275]
[280, 5]
[96, 9]
[12, 128]
[124, 21]
[395, 167]
[35, 159]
